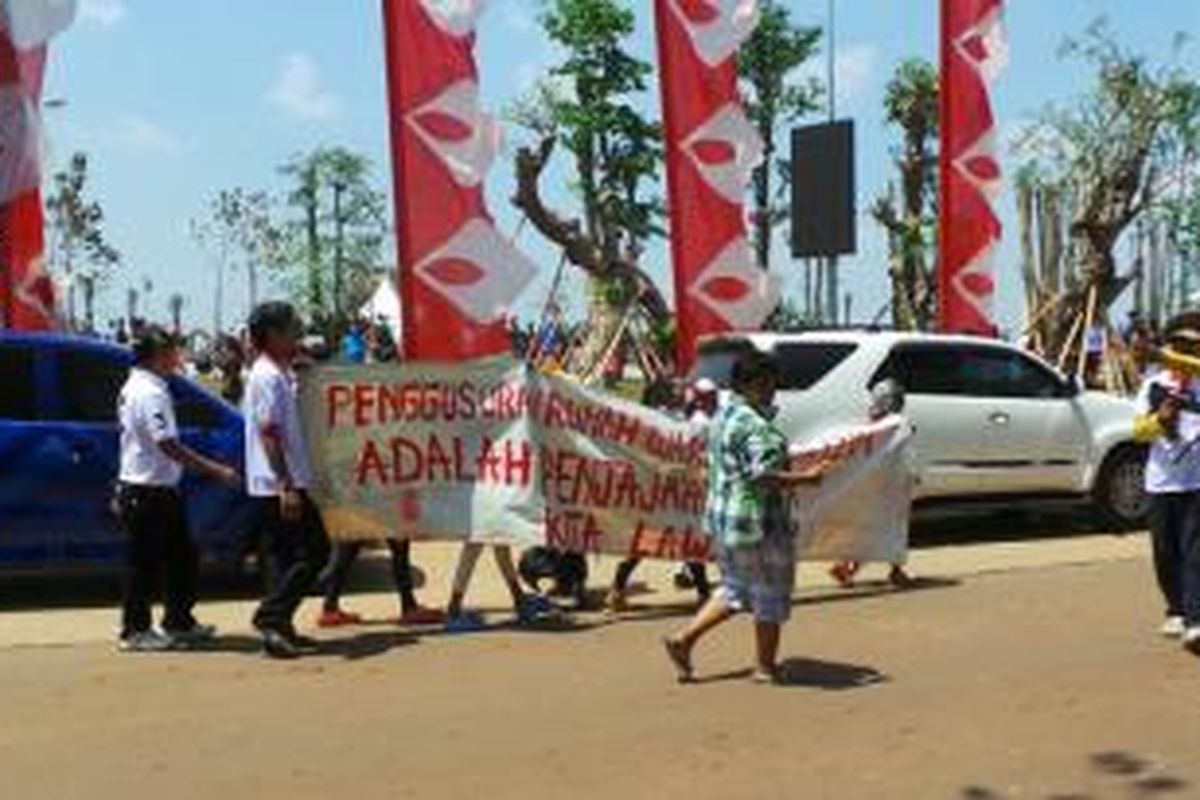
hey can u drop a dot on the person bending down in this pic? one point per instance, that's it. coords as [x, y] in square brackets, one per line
[747, 516]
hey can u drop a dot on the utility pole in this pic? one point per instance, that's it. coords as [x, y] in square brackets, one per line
[832, 295]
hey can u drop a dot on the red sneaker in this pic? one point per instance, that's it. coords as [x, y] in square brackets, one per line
[422, 616]
[844, 572]
[337, 619]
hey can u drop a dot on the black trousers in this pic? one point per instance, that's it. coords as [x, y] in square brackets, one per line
[1175, 535]
[333, 577]
[292, 552]
[696, 568]
[155, 522]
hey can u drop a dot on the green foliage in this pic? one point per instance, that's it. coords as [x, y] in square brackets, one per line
[1124, 147]
[589, 105]
[773, 97]
[331, 244]
[911, 103]
[78, 243]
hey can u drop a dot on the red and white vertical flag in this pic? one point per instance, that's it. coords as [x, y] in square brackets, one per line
[458, 274]
[711, 151]
[27, 297]
[973, 52]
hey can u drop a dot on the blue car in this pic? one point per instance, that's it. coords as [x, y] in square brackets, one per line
[58, 455]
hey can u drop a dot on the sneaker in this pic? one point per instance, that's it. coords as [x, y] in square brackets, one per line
[616, 602]
[276, 645]
[422, 616]
[465, 622]
[1191, 639]
[533, 608]
[1173, 627]
[683, 579]
[191, 637]
[337, 619]
[844, 573]
[150, 641]
[299, 641]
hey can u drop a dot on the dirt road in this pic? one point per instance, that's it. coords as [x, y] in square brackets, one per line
[1044, 682]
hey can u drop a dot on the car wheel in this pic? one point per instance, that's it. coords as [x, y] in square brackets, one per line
[1120, 492]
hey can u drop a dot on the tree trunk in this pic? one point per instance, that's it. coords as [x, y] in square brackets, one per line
[1029, 273]
[762, 202]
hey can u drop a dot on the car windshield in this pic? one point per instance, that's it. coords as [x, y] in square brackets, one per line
[801, 364]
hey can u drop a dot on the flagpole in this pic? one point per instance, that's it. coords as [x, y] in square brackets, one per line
[831, 282]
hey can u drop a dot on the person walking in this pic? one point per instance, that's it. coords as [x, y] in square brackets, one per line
[699, 407]
[1168, 419]
[746, 514]
[887, 399]
[333, 580]
[151, 506]
[278, 477]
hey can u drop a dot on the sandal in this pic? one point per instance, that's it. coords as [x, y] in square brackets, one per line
[680, 658]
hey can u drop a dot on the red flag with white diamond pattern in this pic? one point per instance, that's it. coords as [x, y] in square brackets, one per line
[27, 295]
[711, 150]
[458, 274]
[973, 52]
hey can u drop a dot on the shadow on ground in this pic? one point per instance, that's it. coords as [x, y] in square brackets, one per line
[350, 647]
[1120, 771]
[810, 673]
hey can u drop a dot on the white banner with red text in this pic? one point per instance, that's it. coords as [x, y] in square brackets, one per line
[493, 451]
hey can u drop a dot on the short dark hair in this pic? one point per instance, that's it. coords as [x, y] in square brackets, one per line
[274, 316]
[151, 342]
[751, 367]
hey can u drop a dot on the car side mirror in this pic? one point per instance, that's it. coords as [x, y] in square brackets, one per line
[1074, 386]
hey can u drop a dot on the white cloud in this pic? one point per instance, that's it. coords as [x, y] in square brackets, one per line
[145, 136]
[298, 91]
[854, 71]
[519, 15]
[105, 13]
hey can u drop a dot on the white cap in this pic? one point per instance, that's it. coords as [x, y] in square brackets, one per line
[704, 386]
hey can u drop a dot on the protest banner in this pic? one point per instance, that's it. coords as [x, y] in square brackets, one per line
[494, 451]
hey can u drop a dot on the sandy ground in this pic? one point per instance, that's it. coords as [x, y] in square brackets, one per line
[1020, 670]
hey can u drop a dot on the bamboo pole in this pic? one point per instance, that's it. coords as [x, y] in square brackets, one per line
[1065, 353]
[1087, 328]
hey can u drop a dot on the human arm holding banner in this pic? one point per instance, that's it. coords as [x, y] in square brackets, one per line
[1155, 417]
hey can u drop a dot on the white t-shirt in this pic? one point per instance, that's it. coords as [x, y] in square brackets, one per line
[271, 402]
[147, 417]
[1174, 464]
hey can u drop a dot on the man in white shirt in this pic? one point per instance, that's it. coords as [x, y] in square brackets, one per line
[1168, 419]
[278, 477]
[150, 504]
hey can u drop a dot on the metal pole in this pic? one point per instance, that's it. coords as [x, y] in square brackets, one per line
[831, 282]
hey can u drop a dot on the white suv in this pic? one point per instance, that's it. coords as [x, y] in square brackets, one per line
[992, 420]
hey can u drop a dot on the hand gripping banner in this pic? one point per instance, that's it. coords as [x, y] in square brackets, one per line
[27, 296]
[972, 53]
[458, 274]
[711, 151]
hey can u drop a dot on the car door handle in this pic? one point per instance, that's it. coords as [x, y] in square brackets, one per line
[998, 418]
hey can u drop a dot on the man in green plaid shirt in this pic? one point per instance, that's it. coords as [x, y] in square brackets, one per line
[744, 447]
[747, 516]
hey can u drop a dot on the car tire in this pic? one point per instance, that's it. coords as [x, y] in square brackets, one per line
[1120, 494]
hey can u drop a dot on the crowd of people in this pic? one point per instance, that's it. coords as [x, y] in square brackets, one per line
[747, 474]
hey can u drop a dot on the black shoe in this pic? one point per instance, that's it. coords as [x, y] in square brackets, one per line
[276, 645]
[300, 642]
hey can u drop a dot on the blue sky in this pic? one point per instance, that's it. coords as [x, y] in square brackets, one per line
[176, 99]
